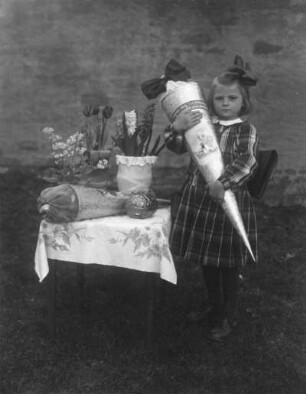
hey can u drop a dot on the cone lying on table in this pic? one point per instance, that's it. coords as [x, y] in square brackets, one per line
[176, 93]
[68, 203]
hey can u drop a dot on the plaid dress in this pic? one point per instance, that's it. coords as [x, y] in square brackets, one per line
[201, 231]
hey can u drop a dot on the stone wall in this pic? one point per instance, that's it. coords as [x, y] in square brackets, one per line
[56, 53]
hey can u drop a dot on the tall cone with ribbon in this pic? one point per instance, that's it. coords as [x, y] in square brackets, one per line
[176, 93]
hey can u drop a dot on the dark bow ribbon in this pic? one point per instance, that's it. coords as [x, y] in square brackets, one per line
[174, 71]
[242, 72]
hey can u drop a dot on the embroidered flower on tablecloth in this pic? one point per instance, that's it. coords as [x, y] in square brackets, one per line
[145, 244]
[59, 237]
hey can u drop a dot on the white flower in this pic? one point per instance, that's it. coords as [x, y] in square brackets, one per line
[81, 150]
[80, 136]
[54, 137]
[102, 164]
[71, 140]
[130, 121]
[48, 130]
[59, 145]
[57, 155]
[49, 133]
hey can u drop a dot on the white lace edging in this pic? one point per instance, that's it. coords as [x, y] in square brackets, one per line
[135, 160]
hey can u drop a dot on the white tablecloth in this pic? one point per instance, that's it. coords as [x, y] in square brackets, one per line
[140, 244]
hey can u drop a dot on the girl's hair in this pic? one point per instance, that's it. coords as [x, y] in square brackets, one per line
[228, 78]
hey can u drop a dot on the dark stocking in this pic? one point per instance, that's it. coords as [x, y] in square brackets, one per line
[230, 286]
[212, 278]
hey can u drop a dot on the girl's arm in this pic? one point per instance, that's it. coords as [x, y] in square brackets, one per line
[174, 133]
[174, 140]
[241, 169]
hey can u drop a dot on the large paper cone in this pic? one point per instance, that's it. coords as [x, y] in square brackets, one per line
[68, 203]
[202, 143]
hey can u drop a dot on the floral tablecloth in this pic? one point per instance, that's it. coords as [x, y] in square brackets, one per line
[114, 241]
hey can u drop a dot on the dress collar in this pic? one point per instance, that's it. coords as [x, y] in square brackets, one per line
[226, 122]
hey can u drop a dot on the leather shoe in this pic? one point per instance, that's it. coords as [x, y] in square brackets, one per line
[220, 332]
[202, 314]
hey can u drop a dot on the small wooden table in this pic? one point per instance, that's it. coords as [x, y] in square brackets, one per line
[118, 241]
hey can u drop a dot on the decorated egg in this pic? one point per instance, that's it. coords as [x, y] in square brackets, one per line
[141, 204]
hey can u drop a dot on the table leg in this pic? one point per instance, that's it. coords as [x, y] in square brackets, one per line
[80, 285]
[51, 298]
[151, 294]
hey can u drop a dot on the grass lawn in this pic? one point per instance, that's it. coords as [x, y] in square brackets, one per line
[100, 347]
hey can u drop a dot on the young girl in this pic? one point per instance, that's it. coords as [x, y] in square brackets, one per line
[201, 231]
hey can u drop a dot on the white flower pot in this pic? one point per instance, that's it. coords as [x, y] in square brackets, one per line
[134, 173]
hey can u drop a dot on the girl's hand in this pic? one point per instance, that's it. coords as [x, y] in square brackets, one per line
[216, 191]
[186, 120]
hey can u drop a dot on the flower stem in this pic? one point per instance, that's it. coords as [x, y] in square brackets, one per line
[160, 149]
[155, 146]
[103, 127]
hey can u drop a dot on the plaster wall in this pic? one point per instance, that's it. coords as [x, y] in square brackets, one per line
[55, 54]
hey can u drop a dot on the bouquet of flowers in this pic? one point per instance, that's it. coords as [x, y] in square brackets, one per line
[81, 153]
[134, 134]
[68, 155]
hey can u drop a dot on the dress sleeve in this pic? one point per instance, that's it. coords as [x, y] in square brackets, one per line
[243, 166]
[174, 141]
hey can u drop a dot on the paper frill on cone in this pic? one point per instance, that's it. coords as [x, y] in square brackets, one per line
[202, 143]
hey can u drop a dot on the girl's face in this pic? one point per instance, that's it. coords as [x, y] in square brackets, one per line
[227, 101]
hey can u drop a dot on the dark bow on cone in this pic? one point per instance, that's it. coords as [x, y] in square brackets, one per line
[174, 72]
[242, 72]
